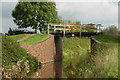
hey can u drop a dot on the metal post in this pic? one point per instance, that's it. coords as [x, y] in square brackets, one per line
[99, 28]
[96, 28]
[80, 31]
[48, 28]
[54, 28]
[64, 31]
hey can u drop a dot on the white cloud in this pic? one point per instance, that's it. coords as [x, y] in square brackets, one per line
[89, 12]
[6, 10]
[7, 23]
[64, 0]
[86, 0]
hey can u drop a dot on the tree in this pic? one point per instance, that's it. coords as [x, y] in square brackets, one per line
[111, 30]
[35, 14]
[77, 22]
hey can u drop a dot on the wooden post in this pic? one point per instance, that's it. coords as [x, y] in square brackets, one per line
[48, 28]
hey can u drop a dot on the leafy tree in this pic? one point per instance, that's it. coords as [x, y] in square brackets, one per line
[70, 22]
[111, 30]
[77, 22]
[35, 14]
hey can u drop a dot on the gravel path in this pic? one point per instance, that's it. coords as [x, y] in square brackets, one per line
[25, 37]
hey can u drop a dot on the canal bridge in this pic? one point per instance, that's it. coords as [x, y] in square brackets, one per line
[74, 30]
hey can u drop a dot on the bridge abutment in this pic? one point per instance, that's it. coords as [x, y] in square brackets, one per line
[46, 50]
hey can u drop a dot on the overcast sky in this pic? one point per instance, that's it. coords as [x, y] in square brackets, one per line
[86, 11]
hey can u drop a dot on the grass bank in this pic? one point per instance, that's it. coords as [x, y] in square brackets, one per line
[35, 38]
[79, 63]
[16, 62]
[106, 58]
[17, 37]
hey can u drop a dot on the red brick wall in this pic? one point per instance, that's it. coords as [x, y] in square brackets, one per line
[44, 50]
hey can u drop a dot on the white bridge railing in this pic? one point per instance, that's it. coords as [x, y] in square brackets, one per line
[68, 27]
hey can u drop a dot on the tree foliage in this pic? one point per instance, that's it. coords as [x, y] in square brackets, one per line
[72, 22]
[35, 14]
[111, 30]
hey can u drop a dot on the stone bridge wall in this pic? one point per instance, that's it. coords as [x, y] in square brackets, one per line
[45, 50]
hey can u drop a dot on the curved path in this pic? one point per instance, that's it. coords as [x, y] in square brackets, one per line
[25, 37]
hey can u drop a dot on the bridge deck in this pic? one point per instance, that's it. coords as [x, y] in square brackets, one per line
[70, 34]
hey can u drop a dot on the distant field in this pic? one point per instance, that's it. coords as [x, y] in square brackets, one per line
[34, 38]
[17, 37]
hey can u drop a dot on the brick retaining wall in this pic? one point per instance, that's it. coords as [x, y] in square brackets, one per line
[44, 51]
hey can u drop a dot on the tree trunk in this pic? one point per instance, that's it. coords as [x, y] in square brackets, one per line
[35, 31]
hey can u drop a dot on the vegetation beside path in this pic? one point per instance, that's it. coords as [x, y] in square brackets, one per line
[16, 62]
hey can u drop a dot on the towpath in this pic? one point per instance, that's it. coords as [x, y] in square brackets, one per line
[25, 37]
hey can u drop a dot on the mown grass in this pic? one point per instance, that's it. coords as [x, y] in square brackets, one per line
[17, 37]
[34, 38]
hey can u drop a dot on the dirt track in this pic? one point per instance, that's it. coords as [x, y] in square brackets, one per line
[25, 37]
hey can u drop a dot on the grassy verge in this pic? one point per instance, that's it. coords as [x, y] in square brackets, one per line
[79, 63]
[17, 37]
[106, 58]
[34, 38]
[15, 60]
